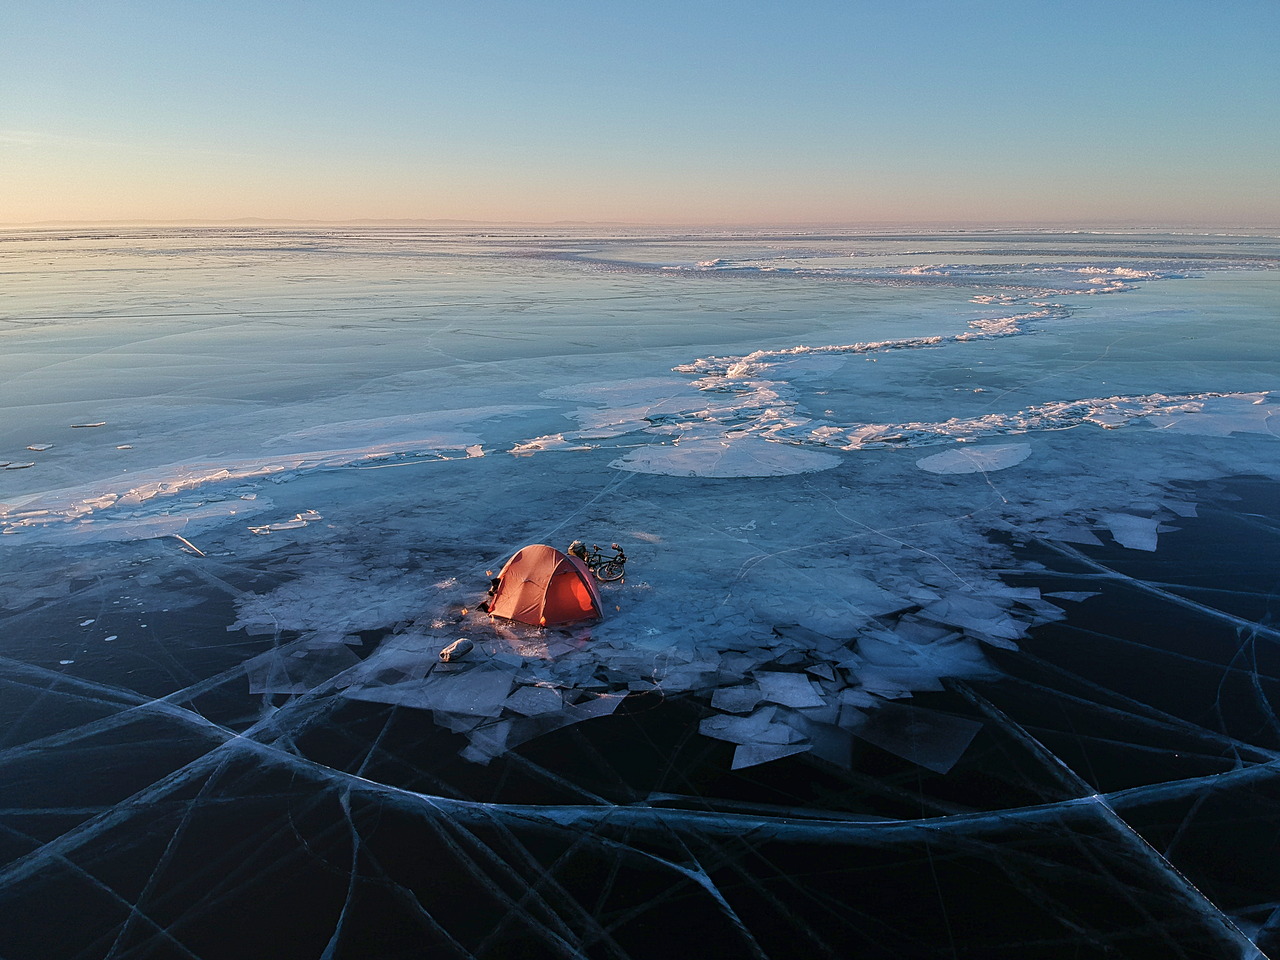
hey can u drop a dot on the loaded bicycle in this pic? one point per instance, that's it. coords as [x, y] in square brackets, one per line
[603, 567]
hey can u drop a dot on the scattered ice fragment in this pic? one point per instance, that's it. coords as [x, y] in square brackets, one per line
[299, 520]
[86, 623]
[479, 690]
[1109, 419]
[753, 754]
[788, 689]
[739, 699]
[100, 423]
[976, 459]
[188, 544]
[65, 662]
[535, 701]
[915, 632]
[552, 442]
[40, 447]
[1070, 534]
[1220, 416]
[974, 614]
[113, 637]
[822, 670]
[760, 727]
[490, 740]
[1135, 533]
[124, 446]
[19, 466]
[853, 697]
[808, 638]
[934, 740]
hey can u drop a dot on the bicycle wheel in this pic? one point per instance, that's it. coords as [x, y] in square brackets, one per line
[609, 570]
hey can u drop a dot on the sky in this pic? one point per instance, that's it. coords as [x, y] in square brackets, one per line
[701, 111]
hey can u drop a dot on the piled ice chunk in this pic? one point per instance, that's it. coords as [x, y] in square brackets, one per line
[160, 500]
[794, 690]
[742, 418]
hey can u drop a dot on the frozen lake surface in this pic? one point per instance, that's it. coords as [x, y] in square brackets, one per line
[948, 626]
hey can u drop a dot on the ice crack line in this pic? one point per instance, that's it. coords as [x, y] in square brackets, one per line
[1216, 614]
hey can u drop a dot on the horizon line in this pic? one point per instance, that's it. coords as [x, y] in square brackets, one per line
[967, 223]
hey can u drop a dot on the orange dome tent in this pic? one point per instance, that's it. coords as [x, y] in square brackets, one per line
[544, 587]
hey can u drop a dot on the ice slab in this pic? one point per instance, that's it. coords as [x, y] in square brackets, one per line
[535, 701]
[1221, 416]
[976, 614]
[478, 690]
[788, 689]
[726, 457]
[739, 699]
[299, 520]
[491, 740]
[935, 741]
[763, 726]
[753, 754]
[985, 459]
[1135, 533]
[557, 441]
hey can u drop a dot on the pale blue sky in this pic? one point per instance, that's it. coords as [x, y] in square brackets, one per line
[866, 110]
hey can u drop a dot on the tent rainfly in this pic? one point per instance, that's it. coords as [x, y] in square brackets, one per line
[546, 588]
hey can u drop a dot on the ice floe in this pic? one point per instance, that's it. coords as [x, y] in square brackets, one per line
[976, 459]
[795, 687]
[299, 520]
[1136, 533]
[725, 457]
[147, 503]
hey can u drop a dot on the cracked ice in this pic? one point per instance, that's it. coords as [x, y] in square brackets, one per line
[917, 572]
